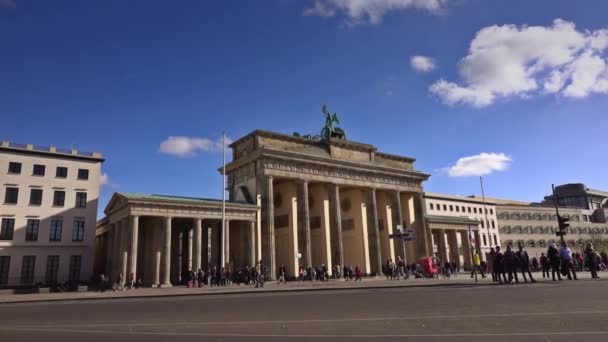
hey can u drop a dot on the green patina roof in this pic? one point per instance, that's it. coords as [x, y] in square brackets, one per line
[179, 199]
[451, 219]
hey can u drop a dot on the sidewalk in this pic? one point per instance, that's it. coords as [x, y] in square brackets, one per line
[269, 287]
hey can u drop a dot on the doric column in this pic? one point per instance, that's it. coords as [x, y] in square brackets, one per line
[442, 245]
[167, 253]
[198, 243]
[134, 240]
[125, 248]
[190, 247]
[110, 250]
[306, 222]
[227, 244]
[116, 267]
[422, 226]
[400, 246]
[252, 234]
[453, 243]
[337, 224]
[272, 265]
[377, 259]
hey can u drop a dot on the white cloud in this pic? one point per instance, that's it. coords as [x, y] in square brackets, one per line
[189, 146]
[8, 3]
[479, 165]
[104, 180]
[422, 63]
[508, 60]
[369, 11]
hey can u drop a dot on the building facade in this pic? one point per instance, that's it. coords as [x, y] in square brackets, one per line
[535, 225]
[485, 228]
[48, 214]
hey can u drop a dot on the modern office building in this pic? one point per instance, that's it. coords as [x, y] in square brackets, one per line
[48, 214]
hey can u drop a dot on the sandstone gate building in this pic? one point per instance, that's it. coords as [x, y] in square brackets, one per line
[292, 201]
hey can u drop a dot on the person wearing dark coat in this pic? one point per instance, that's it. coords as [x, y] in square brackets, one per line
[524, 263]
[499, 266]
[554, 260]
[511, 263]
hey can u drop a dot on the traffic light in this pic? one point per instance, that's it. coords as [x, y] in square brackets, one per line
[563, 225]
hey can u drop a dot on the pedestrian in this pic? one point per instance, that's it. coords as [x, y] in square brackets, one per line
[282, 273]
[357, 273]
[490, 261]
[477, 266]
[535, 266]
[567, 262]
[387, 268]
[401, 268]
[553, 255]
[511, 262]
[545, 264]
[200, 277]
[524, 262]
[591, 260]
[499, 266]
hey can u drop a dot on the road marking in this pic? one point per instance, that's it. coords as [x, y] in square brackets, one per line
[551, 333]
[306, 321]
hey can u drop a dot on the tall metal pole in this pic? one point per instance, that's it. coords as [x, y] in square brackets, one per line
[223, 256]
[557, 211]
[483, 198]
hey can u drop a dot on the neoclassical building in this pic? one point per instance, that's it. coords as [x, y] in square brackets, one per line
[293, 201]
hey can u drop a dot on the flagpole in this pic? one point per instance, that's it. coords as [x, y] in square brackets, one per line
[483, 198]
[224, 256]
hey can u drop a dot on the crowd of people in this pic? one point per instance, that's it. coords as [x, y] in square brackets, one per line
[503, 267]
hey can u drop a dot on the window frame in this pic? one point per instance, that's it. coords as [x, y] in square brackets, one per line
[40, 167]
[32, 229]
[52, 269]
[78, 230]
[57, 173]
[6, 194]
[28, 270]
[74, 276]
[11, 165]
[7, 229]
[55, 198]
[56, 230]
[80, 203]
[5, 268]
[85, 172]
[36, 190]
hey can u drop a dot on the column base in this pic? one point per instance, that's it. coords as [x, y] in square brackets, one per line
[165, 286]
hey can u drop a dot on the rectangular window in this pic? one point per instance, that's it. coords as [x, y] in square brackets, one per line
[14, 168]
[35, 196]
[463, 210]
[6, 231]
[31, 231]
[483, 224]
[27, 269]
[431, 206]
[439, 207]
[11, 196]
[493, 224]
[495, 240]
[491, 211]
[457, 208]
[445, 207]
[451, 208]
[83, 174]
[56, 227]
[78, 230]
[62, 172]
[485, 241]
[59, 198]
[52, 268]
[475, 210]
[39, 170]
[75, 264]
[469, 209]
[81, 200]
[5, 264]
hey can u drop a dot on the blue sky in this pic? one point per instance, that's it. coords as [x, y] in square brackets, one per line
[525, 82]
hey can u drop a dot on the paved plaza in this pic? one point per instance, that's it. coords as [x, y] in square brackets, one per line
[545, 311]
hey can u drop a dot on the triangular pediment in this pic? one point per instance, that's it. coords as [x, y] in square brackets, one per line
[117, 201]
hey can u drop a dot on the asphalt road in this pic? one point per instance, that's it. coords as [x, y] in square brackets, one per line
[535, 312]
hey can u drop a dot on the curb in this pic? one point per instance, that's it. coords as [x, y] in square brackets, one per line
[249, 291]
